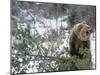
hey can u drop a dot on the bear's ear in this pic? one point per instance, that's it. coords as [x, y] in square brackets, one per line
[83, 22]
[80, 27]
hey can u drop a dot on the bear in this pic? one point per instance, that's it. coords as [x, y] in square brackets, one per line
[79, 38]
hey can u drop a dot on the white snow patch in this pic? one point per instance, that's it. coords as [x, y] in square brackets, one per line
[46, 45]
[93, 48]
[20, 59]
[47, 24]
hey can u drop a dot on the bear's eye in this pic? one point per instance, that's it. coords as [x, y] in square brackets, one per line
[87, 32]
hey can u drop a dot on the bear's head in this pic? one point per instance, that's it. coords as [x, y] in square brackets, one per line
[83, 31]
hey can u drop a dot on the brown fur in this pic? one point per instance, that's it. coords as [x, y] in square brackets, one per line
[79, 37]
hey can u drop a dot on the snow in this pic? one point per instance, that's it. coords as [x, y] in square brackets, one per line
[20, 59]
[93, 48]
[46, 45]
[48, 24]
